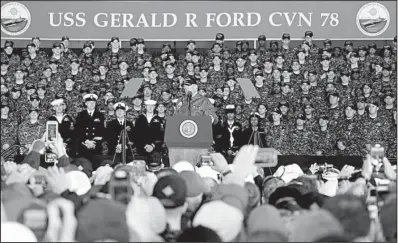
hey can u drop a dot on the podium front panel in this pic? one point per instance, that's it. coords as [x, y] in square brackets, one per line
[188, 132]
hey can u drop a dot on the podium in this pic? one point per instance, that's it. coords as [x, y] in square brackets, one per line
[188, 138]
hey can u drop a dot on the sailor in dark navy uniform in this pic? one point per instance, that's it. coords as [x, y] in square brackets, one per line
[148, 134]
[66, 125]
[90, 131]
[113, 134]
[230, 131]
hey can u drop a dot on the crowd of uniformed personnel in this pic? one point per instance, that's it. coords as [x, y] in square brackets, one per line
[314, 100]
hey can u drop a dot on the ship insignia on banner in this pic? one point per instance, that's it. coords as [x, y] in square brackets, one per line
[15, 18]
[188, 129]
[373, 19]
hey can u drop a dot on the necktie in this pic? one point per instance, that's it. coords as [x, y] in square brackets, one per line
[121, 123]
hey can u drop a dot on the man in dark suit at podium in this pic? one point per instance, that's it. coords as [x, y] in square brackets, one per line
[90, 131]
[193, 104]
[113, 133]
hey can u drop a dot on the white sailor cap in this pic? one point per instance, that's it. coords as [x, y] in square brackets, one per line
[90, 97]
[212, 100]
[150, 102]
[230, 107]
[57, 102]
[120, 105]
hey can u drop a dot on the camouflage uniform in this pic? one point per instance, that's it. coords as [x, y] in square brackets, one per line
[324, 141]
[300, 142]
[277, 137]
[8, 131]
[29, 132]
[349, 134]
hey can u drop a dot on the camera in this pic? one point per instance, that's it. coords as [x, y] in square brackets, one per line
[120, 186]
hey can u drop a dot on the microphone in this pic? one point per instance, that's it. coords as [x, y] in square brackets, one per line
[189, 95]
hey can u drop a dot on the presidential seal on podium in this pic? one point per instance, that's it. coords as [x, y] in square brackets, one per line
[188, 129]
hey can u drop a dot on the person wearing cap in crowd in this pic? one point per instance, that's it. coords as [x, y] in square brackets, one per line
[362, 51]
[31, 128]
[242, 71]
[337, 59]
[348, 132]
[205, 79]
[166, 99]
[235, 90]
[115, 47]
[66, 126]
[19, 77]
[387, 80]
[253, 60]
[68, 53]
[6, 72]
[108, 109]
[168, 76]
[36, 40]
[8, 54]
[8, 127]
[148, 135]
[324, 137]
[26, 64]
[333, 110]
[141, 49]
[348, 47]
[216, 71]
[132, 52]
[34, 102]
[372, 56]
[75, 70]
[261, 45]
[90, 131]
[374, 128]
[285, 47]
[386, 111]
[15, 100]
[230, 131]
[62, 61]
[277, 133]
[136, 108]
[220, 39]
[273, 48]
[299, 137]
[114, 133]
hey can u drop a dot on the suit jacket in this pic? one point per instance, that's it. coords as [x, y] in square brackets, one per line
[147, 133]
[200, 106]
[113, 130]
[88, 127]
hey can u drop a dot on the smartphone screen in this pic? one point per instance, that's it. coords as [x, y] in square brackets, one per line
[51, 131]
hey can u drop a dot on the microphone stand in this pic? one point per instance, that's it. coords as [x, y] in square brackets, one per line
[124, 140]
[189, 104]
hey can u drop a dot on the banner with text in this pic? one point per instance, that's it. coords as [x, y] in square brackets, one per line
[172, 20]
